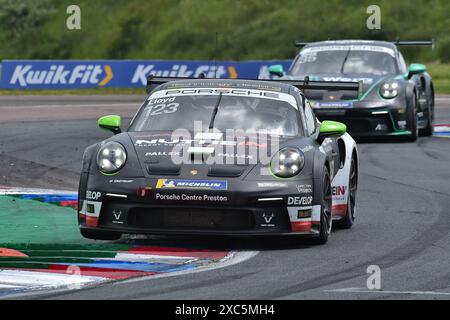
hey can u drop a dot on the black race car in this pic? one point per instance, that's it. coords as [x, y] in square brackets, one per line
[394, 100]
[235, 157]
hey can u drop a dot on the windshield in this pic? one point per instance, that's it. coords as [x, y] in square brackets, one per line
[345, 62]
[220, 112]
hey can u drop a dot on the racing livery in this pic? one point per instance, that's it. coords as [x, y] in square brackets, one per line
[210, 156]
[394, 100]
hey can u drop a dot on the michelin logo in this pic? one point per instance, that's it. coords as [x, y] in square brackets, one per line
[25, 75]
[191, 184]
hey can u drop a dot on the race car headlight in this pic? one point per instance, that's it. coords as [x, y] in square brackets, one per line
[287, 162]
[111, 157]
[389, 90]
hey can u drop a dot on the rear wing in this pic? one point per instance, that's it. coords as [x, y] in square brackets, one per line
[431, 43]
[352, 89]
[153, 82]
[313, 89]
[321, 85]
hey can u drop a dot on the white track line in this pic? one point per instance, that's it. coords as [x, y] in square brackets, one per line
[12, 191]
[363, 290]
[33, 280]
[91, 105]
[233, 258]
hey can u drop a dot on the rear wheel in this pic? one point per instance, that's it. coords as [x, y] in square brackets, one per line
[349, 219]
[100, 235]
[326, 220]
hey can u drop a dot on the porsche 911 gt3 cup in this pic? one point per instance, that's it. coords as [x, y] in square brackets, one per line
[210, 156]
[395, 100]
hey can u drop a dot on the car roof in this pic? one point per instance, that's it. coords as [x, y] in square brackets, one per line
[228, 83]
[384, 44]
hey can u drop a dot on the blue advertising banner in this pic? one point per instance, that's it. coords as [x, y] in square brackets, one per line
[76, 74]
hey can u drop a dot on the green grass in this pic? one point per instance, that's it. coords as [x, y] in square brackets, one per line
[187, 29]
[441, 77]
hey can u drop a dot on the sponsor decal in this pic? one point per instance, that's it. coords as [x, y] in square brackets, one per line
[235, 155]
[117, 214]
[334, 104]
[272, 185]
[190, 197]
[268, 217]
[303, 201]
[93, 195]
[192, 184]
[57, 74]
[161, 94]
[72, 74]
[353, 47]
[162, 153]
[304, 188]
[339, 192]
[348, 79]
[175, 142]
[121, 181]
[179, 70]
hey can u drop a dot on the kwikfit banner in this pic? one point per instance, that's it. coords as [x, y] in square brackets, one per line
[75, 74]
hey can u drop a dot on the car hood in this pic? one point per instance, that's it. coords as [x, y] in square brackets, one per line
[160, 153]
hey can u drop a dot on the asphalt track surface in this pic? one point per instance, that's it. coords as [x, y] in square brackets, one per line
[403, 214]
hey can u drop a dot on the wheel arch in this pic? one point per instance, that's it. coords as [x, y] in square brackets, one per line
[320, 161]
[356, 157]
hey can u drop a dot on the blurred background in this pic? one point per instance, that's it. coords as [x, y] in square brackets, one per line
[246, 29]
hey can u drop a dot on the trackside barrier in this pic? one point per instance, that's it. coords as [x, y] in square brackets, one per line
[77, 74]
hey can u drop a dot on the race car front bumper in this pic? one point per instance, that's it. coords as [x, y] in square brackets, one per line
[368, 121]
[186, 212]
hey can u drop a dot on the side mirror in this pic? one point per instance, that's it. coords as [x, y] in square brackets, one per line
[330, 129]
[110, 123]
[276, 70]
[416, 68]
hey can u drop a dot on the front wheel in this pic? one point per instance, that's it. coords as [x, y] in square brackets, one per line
[326, 220]
[429, 129]
[412, 119]
[100, 235]
[349, 219]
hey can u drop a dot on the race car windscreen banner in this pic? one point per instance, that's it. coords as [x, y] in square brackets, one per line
[76, 74]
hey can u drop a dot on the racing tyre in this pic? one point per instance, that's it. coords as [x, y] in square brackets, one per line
[412, 119]
[429, 129]
[326, 220]
[100, 235]
[349, 219]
